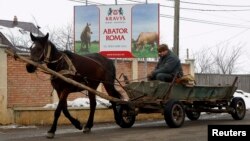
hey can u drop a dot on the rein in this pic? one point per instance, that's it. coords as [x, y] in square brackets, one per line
[47, 57]
[71, 70]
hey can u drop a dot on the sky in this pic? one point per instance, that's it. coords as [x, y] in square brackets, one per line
[205, 25]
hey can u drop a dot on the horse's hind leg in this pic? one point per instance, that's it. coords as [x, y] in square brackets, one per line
[92, 100]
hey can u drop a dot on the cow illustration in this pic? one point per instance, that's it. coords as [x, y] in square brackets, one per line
[150, 38]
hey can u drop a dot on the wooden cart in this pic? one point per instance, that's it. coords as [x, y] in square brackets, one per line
[175, 101]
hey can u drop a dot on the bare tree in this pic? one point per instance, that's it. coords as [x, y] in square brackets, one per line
[62, 37]
[222, 61]
[226, 57]
[204, 62]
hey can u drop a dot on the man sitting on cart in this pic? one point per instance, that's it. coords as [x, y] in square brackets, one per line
[169, 65]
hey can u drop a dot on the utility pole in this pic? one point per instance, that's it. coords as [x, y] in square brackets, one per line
[176, 26]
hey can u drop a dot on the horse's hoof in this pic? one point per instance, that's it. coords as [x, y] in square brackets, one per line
[50, 135]
[86, 130]
[79, 127]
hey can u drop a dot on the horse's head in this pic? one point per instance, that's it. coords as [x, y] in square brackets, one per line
[39, 51]
[87, 29]
[39, 48]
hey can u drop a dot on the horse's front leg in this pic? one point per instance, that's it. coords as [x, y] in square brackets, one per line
[87, 46]
[57, 113]
[90, 121]
[74, 121]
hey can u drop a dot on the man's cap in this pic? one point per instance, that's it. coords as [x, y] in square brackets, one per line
[162, 47]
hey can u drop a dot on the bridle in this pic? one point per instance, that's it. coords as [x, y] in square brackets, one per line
[47, 55]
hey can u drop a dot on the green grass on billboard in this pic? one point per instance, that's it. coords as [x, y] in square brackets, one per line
[147, 52]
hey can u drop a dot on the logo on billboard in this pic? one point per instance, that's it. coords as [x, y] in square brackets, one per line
[115, 15]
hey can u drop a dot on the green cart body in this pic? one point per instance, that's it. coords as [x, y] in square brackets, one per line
[175, 101]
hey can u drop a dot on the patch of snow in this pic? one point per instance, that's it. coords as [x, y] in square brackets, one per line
[14, 126]
[80, 102]
[245, 96]
[83, 103]
[53, 105]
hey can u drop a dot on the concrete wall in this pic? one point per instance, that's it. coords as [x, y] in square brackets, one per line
[6, 115]
[41, 116]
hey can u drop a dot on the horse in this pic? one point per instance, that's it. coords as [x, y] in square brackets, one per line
[85, 38]
[90, 69]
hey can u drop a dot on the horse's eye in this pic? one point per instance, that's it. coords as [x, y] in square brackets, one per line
[32, 46]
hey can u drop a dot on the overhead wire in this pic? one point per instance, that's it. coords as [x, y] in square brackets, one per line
[181, 18]
[216, 5]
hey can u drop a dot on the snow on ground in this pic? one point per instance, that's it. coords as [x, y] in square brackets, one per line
[103, 103]
[82, 102]
[245, 96]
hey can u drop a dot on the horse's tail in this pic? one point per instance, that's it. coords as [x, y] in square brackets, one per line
[112, 70]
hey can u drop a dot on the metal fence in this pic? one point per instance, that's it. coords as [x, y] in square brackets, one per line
[243, 82]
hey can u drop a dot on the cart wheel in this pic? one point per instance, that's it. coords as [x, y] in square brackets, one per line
[193, 115]
[124, 120]
[239, 106]
[174, 113]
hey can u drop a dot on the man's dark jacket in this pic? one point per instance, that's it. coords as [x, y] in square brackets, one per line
[169, 64]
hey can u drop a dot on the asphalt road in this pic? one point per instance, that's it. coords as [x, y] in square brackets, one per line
[141, 131]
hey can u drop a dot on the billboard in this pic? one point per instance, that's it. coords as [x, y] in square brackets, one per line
[117, 31]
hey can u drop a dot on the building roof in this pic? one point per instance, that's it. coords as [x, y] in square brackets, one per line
[15, 34]
[27, 26]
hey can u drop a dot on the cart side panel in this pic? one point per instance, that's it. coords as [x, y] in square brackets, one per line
[202, 93]
[156, 89]
[181, 92]
[159, 90]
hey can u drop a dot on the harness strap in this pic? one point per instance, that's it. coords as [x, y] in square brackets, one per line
[71, 70]
[46, 59]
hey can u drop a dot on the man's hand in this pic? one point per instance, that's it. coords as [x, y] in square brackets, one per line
[149, 76]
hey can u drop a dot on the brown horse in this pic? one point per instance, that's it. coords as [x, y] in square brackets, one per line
[91, 69]
[86, 38]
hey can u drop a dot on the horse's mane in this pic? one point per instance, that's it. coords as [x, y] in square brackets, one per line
[68, 53]
[55, 49]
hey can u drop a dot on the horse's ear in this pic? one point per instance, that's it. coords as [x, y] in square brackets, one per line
[33, 38]
[46, 36]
